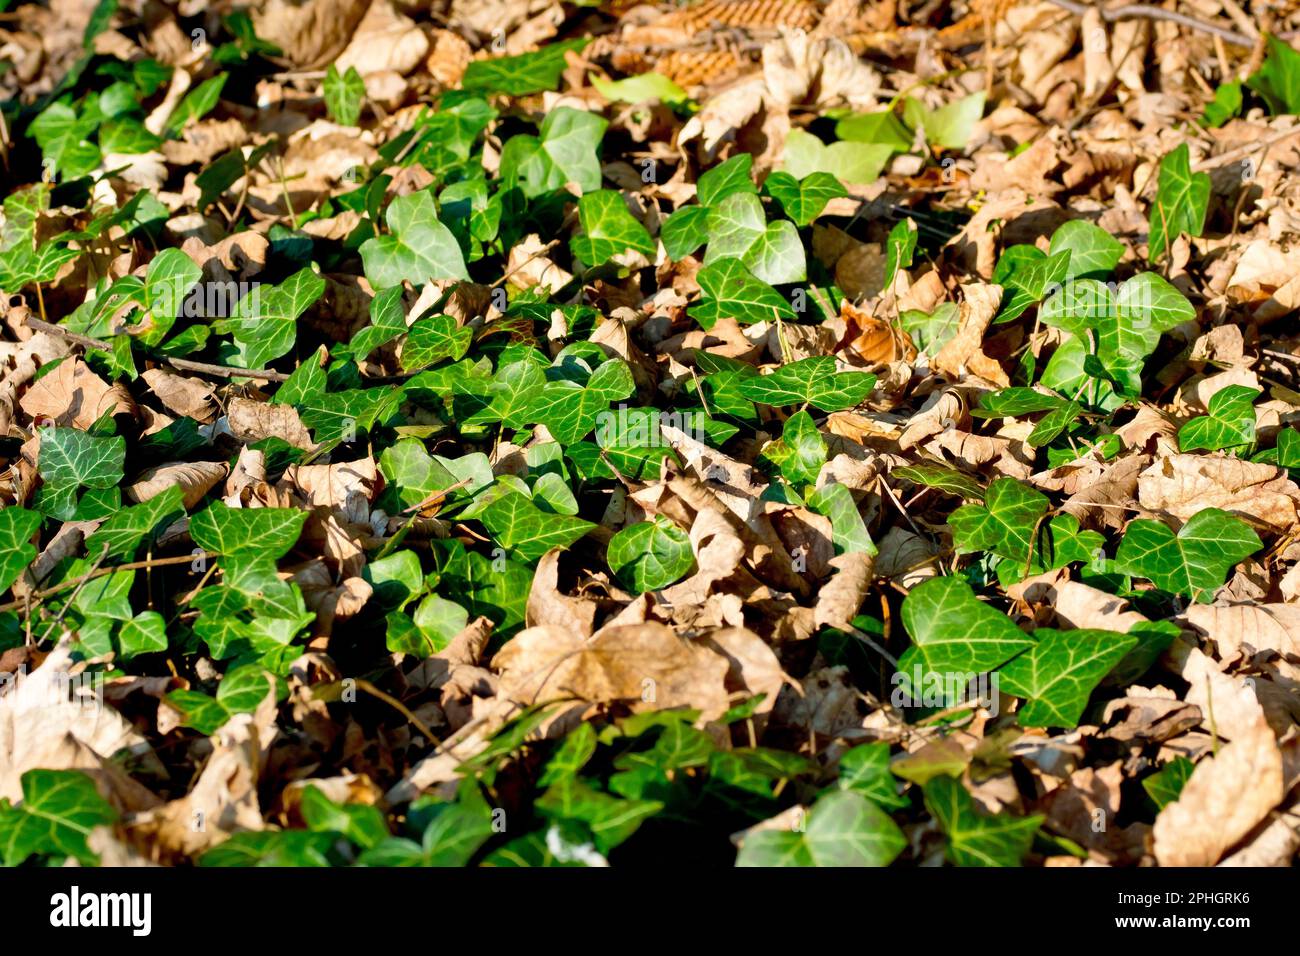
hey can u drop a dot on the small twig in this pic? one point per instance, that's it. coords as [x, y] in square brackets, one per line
[1142, 11]
[99, 573]
[185, 365]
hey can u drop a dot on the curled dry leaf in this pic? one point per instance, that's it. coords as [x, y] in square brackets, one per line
[195, 479]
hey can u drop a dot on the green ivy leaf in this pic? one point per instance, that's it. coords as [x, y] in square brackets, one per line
[1128, 325]
[17, 525]
[1226, 104]
[847, 161]
[948, 480]
[247, 532]
[1094, 252]
[435, 340]
[610, 819]
[645, 88]
[1004, 525]
[1164, 786]
[361, 824]
[1195, 561]
[956, 632]
[738, 229]
[812, 381]
[865, 770]
[900, 247]
[1026, 274]
[58, 811]
[650, 555]
[71, 459]
[265, 323]
[608, 229]
[343, 94]
[421, 249]
[1229, 424]
[126, 530]
[1182, 198]
[951, 125]
[566, 150]
[844, 828]
[730, 291]
[848, 530]
[973, 838]
[933, 330]
[523, 74]
[1058, 674]
[1278, 79]
[520, 526]
[803, 199]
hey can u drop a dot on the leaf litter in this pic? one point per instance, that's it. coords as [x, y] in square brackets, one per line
[772, 433]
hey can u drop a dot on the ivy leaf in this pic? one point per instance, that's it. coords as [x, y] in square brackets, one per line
[1229, 424]
[650, 555]
[59, 810]
[948, 480]
[1128, 326]
[272, 848]
[520, 526]
[1094, 252]
[1278, 79]
[566, 150]
[247, 532]
[954, 631]
[1004, 525]
[265, 323]
[865, 770]
[434, 340]
[523, 74]
[421, 249]
[1226, 104]
[610, 819]
[1058, 674]
[731, 291]
[70, 459]
[951, 125]
[847, 161]
[126, 530]
[387, 322]
[569, 411]
[900, 247]
[848, 531]
[973, 838]
[608, 229]
[812, 381]
[1195, 561]
[646, 88]
[803, 199]
[726, 179]
[1165, 786]
[931, 331]
[343, 94]
[169, 279]
[1182, 198]
[1060, 543]
[843, 829]
[738, 229]
[359, 823]
[1026, 274]
[685, 230]
[17, 525]
[801, 450]
[1051, 425]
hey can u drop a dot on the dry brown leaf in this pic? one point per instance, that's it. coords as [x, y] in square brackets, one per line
[645, 666]
[195, 478]
[252, 421]
[1181, 485]
[73, 395]
[1226, 797]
